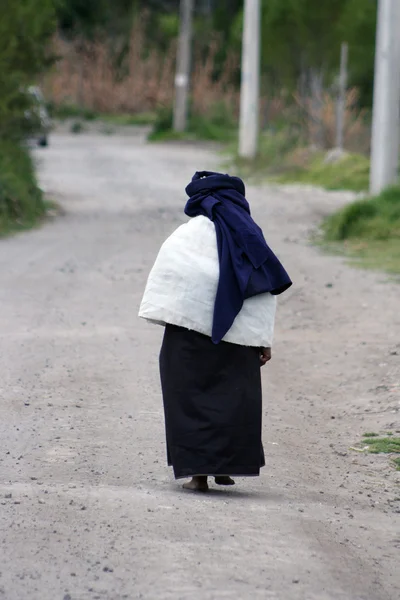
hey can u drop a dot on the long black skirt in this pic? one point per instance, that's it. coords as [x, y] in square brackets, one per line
[212, 404]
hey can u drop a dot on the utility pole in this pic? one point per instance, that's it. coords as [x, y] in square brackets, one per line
[250, 84]
[182, 77]
[341, 103]
[386, 105]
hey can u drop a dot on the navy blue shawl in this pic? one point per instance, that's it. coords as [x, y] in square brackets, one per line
[248, 266]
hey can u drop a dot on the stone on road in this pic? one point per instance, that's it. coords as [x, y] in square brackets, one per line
[88, 508]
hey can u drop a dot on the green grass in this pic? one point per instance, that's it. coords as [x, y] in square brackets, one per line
[147, 118]
[370, 434]
[387, 445]
[217, 126]
[376, 218]
[22, 204]
[195, 133]
[368, 232]
[271, 159]
[384, 445]
[351, 172]
[284, 158]
[71, 111]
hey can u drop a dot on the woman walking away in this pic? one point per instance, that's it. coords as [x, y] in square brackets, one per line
[214, 286]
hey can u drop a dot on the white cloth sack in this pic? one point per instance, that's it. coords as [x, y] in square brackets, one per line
[182, 287]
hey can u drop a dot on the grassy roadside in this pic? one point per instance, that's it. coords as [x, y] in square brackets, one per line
[22, 205]
[218, 126]
[284, 158]
[351, 172]
[70, 111]
[374, 443]
[367, 231]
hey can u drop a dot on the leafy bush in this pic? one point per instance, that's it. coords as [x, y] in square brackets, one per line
[26, 26]
[163, 122]
[377, 218]
[21, 201]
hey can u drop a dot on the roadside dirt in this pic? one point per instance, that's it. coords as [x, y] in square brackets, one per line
[88, 508]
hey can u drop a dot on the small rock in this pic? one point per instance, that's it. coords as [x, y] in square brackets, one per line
[8, 495]
[108, 570]
[295, 580]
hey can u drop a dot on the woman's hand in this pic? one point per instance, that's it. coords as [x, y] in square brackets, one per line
[265, 356]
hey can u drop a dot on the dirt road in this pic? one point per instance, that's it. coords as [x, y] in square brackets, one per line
[88, 508]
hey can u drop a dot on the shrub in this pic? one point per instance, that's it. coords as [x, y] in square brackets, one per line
[21, 201]
[377, 218]
[25, 28]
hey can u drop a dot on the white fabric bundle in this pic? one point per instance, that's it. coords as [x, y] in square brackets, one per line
[182, 286]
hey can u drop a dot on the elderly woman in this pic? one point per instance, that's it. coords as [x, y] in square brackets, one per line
[213, 287]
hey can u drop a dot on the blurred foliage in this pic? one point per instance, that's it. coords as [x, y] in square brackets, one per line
[218, 126]
[300, 38]
[21, 201]
[351, 172]
[271, 160]
[368, 232]
[376, 218]
[26, 27]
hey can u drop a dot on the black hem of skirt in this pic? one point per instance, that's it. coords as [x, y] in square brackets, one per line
[226, 473]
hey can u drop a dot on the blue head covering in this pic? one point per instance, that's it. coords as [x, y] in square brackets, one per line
[248, 266]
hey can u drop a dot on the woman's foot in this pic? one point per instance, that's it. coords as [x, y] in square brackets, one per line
[197, 484]
[224, 480]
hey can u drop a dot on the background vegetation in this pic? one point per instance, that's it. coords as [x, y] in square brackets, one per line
[26, 28]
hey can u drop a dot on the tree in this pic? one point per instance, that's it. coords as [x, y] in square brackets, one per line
[358, 28]
[303, 37]
[26, 27]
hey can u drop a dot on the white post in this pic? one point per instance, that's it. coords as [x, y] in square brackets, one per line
[341, 103]
[386, 105]
[250, 83]
[182, 76]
